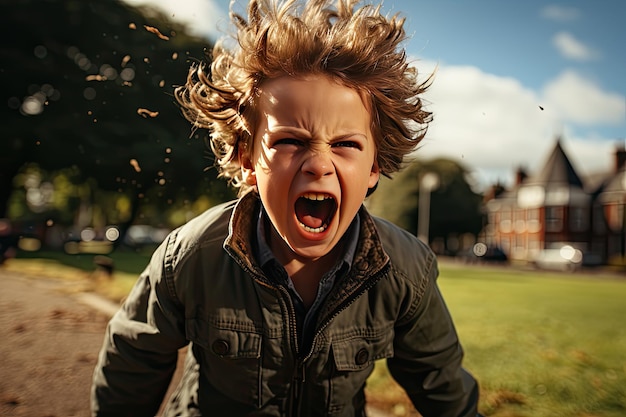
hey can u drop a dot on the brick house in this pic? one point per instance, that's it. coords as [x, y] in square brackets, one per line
[556, 207]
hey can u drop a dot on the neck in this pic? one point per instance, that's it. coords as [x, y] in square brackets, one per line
[305, 273]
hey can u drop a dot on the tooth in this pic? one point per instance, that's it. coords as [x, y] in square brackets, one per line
[312, 230]
[317, 196]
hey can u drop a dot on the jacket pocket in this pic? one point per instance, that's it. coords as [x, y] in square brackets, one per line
[229, 356]
[355, 352]
[354, 355]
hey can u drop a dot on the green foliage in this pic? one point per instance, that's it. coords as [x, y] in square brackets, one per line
[75, 75]
[455, 207]
[40, 196]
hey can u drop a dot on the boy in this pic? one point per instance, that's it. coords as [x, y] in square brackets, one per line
[287, 296]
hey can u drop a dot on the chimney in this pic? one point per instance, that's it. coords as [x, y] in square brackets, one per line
[520, 176]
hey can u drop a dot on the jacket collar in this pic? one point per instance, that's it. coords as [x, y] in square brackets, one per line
[369, 260]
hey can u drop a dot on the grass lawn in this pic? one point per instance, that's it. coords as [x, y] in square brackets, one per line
[128, 264]
[540, 344]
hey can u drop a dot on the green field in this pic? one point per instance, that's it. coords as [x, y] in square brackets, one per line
[540, 344]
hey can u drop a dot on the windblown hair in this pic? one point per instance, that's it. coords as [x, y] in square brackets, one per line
[357, 47]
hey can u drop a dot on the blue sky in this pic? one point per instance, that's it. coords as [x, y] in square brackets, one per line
[510, 77]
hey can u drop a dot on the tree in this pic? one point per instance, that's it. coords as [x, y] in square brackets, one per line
[456, 209]
[88, 84]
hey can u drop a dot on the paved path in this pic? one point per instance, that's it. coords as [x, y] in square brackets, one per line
[49, 343]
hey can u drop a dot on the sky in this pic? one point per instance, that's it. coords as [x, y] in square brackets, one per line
[509, 77]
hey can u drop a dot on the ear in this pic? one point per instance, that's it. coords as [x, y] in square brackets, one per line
[374, 175]
[248, 173]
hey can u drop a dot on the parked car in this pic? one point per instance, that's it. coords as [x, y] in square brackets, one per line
[565, 258]
[141, 235]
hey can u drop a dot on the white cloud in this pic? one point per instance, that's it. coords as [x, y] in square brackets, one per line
[489, 123]
[493, 125]
[560, 13]
[580, 101]
[589, 155]
[571, 48]
[207, 18]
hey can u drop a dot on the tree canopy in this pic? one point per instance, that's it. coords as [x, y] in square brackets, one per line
[456, 209]
[88, 85]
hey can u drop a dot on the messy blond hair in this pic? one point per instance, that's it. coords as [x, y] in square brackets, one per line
[358, 47]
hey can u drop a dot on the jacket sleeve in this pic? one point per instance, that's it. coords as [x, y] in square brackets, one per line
[428, 355]
[140, 349]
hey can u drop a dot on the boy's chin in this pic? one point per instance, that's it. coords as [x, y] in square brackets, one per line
[312, 250]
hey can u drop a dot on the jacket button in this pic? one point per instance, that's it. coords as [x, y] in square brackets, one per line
[220, 347]
[362, 356]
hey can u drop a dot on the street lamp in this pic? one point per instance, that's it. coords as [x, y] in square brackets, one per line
[428, 182]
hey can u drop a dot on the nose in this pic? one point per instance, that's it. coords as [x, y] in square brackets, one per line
[318, 164]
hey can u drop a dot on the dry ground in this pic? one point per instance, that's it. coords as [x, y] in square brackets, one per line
[50, 338]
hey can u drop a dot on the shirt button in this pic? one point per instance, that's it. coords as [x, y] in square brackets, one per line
[362, 356]
[220, 347]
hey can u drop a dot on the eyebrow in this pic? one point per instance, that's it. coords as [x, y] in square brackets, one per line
[301, 132]
[289, 129]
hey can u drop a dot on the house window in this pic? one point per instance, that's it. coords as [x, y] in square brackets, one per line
[615, 216]
[534, 244]
[554, 219]
[520, 241]
[505, 220]
[532, 220]
[532, 214]
[578, 221]
[506, 244]
[598, 219]
[520, 220]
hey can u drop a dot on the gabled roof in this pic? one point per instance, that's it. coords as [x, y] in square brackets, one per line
[558, 170]
[615, 188]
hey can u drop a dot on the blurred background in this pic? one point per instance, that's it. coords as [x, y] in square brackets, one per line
[95, 153]
[525, 156]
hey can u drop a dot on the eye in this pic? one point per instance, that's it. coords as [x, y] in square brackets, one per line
[288, 141]
[347, 144]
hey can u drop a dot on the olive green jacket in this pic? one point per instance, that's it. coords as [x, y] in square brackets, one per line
[203, 289]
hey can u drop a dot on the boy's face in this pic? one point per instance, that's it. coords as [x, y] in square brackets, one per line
[314, 158]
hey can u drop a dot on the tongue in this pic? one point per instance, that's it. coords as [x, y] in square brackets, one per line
[313, 213]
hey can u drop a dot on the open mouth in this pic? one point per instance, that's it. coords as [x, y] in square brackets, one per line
[314, 211]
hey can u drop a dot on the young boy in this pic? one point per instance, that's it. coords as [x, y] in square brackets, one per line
[287, 296]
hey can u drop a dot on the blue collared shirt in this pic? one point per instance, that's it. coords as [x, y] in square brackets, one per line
[276, 272]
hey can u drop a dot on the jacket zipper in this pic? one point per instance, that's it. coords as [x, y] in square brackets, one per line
[294, 400]
[300, 372]
[297, 384]
[346, 303]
